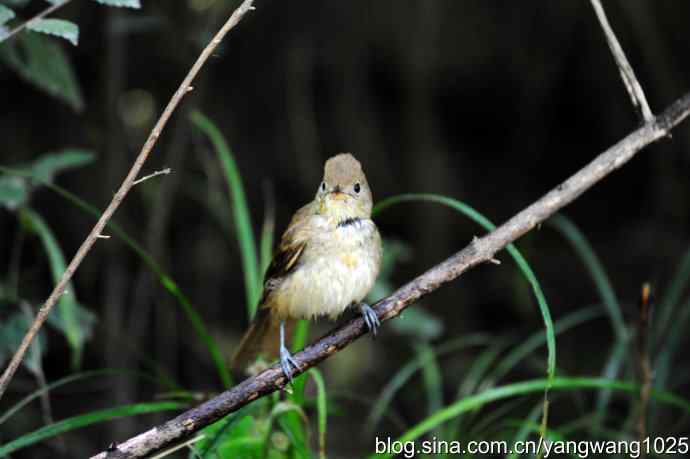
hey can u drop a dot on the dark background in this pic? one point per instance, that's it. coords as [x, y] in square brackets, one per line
[493, 103]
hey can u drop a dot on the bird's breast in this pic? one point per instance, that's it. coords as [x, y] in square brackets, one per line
[338, 268]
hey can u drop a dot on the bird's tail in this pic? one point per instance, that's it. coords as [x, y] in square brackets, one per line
[261, 340]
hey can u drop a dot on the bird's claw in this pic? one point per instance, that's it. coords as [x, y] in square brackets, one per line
[370, 318]
[286, 361]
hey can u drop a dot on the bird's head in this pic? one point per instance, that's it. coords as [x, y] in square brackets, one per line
[344, 192]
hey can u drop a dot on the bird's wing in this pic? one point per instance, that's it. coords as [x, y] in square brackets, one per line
[287, 255]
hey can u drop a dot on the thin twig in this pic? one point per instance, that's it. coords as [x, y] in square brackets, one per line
[645, 367]
[165, 171]
[121, 192]
[479, 251]
[51, 9]
[627, 74]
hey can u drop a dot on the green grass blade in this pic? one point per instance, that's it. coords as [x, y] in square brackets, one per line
[166, 281]
[535, 341]
[405, 373]
[267, 235]
[526, 427]
[241, 217]
[216, 432]
[524, 388]
[67, 380]
[672, 296]
[594, 267]
[618, 355]
[84, 420]
[584, 250]
[432, 377]
[299, 339]
[67, 306]
[292, 425]
[321, 409]
[663, 367]
[473, 379]
[512, 250]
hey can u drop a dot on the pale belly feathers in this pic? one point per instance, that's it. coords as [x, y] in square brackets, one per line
[335, 271]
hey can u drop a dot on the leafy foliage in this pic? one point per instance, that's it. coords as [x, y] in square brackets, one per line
[70, 318]
[57, 27]
[6, 14]
[135, 4]
[75, 321]
[43, 63]
[14, 192]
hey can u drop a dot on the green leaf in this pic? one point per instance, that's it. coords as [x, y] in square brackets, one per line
[84, 420]
[14, 192]
[43, 63]
[12, 331]
[135, 4]
[17, 3]
[241, 217]
[56, 27]
[6, 14]
[47, 166]
[71, 318]
[292, 424]
[225, 433]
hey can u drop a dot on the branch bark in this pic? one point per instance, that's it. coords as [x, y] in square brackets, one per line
[127, 184]
[477, 252]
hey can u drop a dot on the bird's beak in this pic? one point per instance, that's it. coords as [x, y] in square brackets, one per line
[337, 195]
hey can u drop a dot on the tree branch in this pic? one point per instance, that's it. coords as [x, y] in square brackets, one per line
[479, 251]
[121, 193]
[627, 74]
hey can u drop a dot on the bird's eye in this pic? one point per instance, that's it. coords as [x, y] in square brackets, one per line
[357, 187]
[323, 186]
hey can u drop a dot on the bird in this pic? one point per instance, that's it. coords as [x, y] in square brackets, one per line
[327, 261]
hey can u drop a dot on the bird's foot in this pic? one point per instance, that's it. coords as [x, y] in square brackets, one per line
[370, 318]
[286, 362]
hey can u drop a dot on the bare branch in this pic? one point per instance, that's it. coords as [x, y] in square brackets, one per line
[127, 184]
[479, 251]
[627, 74]
[165, 171]
[51, 9]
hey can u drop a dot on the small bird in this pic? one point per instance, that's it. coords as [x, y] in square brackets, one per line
[327, 260]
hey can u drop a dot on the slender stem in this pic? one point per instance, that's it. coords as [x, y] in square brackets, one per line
[51, 9]
[644, 364]
[127, 184]
[479, 251]
[627, 74]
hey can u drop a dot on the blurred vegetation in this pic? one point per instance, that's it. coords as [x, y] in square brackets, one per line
[480, 107]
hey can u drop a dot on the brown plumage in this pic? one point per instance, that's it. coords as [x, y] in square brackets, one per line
[327, 260]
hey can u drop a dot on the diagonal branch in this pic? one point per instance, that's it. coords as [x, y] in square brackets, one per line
[127, 184]
[627, 74]
[479, 251]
